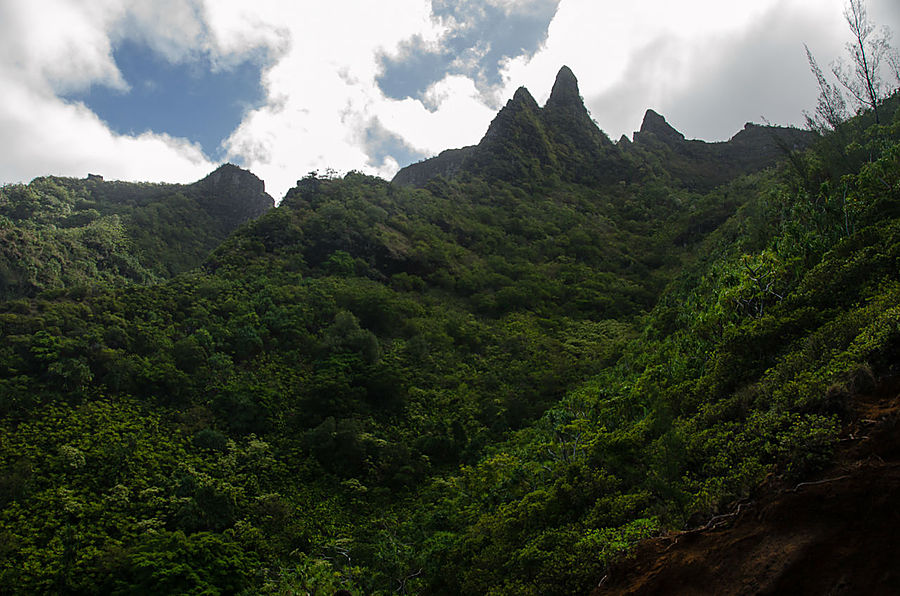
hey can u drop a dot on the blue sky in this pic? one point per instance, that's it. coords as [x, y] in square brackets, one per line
[490, 34]
[168, 89]
[187, 99]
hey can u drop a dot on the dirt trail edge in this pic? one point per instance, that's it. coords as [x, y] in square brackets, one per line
[837, 533]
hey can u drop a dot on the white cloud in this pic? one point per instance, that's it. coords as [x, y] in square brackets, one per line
[51, 47]
[520, 6]
[48, 136]
[172, 28]
[451, 114]
[660, 54]
[322, 93]
[54, 45]
[707, 65]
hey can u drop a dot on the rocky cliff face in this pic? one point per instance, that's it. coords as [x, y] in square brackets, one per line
[234, 193]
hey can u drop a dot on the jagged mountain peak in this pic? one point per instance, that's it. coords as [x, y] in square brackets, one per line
[520, 111]
[568, 119]
[527, 142]
[565, 90]
[522, 97]
[656, 124]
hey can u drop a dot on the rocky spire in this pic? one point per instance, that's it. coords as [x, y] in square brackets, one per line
[656, 124]
[566, 116]
[522, 98]
[565, 90]
[519, 111]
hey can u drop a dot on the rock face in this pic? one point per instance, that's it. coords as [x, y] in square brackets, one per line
[525, 142]
[232, 177]
[236, 192]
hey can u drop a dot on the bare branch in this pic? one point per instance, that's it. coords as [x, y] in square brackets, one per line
[861, 78]
[831, 109]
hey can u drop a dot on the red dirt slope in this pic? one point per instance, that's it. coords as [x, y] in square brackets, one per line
[836, 534]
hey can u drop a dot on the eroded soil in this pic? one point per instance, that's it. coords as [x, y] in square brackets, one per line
[837, 533]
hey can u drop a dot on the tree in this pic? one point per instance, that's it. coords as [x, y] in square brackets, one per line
[831, 108]
[893, 58]
[861, 77]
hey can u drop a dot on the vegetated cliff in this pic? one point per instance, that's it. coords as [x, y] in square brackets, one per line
[835, 533]
[60, 232]
[699, 165]
[527, 142]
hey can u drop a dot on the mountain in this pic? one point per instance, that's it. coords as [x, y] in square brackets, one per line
[60, 232]
[700, 165]
[501, 382]
[526, 142]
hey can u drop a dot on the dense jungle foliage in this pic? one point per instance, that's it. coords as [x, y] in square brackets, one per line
[482, 386]
[63, 232]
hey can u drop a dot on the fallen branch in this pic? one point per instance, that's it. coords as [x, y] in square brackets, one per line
[712, 524]
[826, 481]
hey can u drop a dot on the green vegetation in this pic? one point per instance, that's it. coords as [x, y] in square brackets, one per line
[64, 232]
[483, 386]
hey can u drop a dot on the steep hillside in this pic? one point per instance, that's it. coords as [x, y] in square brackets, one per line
[497, 383]
[59, 232]
[835, 533]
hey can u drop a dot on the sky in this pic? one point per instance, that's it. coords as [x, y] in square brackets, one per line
[166, 90]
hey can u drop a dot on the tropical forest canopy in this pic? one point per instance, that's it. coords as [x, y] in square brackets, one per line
[491, 376]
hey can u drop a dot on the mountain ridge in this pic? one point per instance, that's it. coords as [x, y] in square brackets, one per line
[560, 138]
[61, 231]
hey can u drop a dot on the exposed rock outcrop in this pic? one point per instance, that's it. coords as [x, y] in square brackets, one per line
[655, 124]
[237, 192]
[833, 534]
[448, 164]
